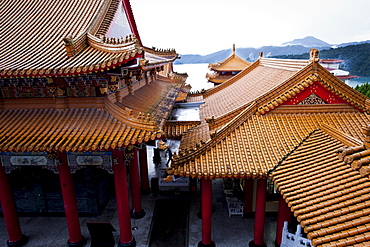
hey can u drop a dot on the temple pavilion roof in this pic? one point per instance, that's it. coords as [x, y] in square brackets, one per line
[231, 63]
[66, 39]
[73, 129]
[55, 38]
[88, 124]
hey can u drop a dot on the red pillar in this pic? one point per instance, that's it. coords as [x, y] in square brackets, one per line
[123, 205]
[136, 209]
[145, 189]
[15, 236]
[70, 204]
[259, 220]
[284, 214]
[206, 194]
[248, 196]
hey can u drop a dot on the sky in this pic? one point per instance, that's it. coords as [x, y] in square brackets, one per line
[207, 26]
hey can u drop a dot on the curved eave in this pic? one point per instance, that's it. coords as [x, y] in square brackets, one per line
[232, 63]
[97, 61]
[72, 129]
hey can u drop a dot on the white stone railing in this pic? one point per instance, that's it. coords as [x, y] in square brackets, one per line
[294, 240]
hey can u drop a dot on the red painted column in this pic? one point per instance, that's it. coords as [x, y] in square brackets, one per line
[284, 214]
[206, 194]
[248, 196]
[9, 210]
[136, 209]
[259, 220]
[145, 188]
[122, 198]
[70, 204]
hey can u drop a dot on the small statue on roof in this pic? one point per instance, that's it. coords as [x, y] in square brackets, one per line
[162, 145]
[314, 55]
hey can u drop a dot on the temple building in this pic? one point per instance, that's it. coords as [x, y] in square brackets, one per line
[284, 121]
[332, 65]
[79, 98]
[229, 67]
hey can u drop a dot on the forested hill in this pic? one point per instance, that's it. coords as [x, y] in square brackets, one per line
[357, 58]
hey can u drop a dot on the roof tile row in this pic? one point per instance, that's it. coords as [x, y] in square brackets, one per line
[329, 199]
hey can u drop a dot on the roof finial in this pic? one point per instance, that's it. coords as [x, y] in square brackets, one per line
[261, 54]
[233, 49]
[314, 55]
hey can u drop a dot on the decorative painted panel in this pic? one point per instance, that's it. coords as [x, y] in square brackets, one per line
[312, 99]
[13, 160]
[317, 91]
[76, 160]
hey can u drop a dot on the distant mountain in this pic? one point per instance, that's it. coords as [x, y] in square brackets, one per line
[352, 43]
[249, 54]
[357, 57]
[308, 41]
[294, 47]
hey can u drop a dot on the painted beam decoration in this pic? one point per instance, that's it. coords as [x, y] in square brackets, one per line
[13, 160]
[77, 160]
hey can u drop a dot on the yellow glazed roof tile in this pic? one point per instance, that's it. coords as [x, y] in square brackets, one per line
[232, 63]
[72, 129]
[48, 38]
[261, 142]
[328, 198]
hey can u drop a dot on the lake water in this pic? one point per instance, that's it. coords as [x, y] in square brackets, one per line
[197, 76]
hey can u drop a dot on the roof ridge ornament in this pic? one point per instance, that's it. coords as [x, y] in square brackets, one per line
[74, 45]
[234, 51]
[314, 55]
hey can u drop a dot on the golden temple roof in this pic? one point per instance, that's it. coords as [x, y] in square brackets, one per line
[245, 118]
[256, 144]
[88, 123]
[54, 38]
[155, 99]
[330, 200]
[231, 63]
[73, 129]
[61, 37]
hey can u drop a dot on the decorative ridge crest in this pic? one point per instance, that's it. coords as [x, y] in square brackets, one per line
[74, 45]
[160, 51]
[113, 44]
